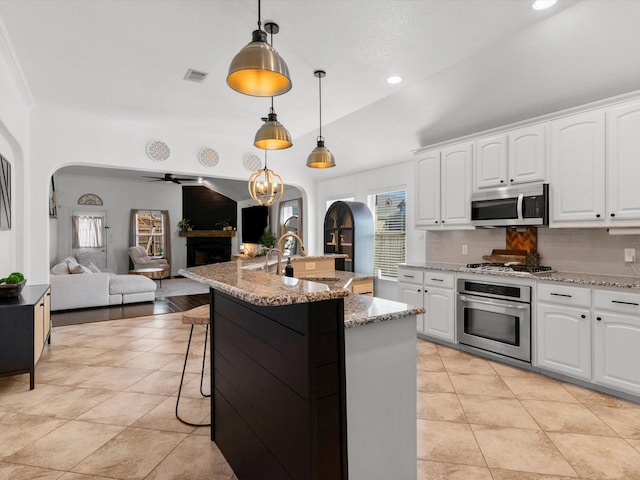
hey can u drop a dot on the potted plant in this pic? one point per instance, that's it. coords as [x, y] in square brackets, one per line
[185, 225]
[268, 240]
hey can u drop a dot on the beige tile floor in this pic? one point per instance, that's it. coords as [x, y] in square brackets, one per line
[103, 408]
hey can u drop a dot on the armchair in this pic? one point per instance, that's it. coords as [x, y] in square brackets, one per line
[141, 259]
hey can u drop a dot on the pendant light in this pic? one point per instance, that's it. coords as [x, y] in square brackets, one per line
[265, 186]
[258, 70]
[272, 135]
[320, 157]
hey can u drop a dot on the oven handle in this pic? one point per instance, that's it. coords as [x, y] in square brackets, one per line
[488, 302]
[520, 200]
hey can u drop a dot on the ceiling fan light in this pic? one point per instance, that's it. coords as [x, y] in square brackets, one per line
[259, 70]
[272, 135]
[321, 157]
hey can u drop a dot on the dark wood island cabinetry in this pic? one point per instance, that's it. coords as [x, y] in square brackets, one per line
[278, 373]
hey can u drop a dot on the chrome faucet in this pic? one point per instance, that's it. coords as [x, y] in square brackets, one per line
[303, 252]
[280, 256]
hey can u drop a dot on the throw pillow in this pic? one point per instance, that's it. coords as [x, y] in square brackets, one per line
[92, 266]
[60, 269]
[77, 268]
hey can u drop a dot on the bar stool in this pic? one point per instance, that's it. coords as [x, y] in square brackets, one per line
[193, 317]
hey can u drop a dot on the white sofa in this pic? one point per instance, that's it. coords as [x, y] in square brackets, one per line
[79, 286]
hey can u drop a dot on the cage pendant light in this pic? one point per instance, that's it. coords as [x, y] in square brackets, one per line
[258, 70]
[320, 157]
[265, 186]
[272, 135]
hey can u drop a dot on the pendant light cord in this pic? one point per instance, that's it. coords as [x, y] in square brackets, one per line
[320, 100]
[259, 16]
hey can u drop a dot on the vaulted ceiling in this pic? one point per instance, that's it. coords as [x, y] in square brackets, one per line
[468, 65]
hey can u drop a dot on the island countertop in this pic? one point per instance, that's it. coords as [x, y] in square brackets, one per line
[244, 279]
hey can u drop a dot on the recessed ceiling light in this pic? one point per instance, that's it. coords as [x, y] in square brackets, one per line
[543, 4]
[394, 79]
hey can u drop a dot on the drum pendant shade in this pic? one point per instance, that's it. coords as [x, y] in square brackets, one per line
[258, 70]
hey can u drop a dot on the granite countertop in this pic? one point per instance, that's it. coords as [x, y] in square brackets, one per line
[246, 279]
[587, 279]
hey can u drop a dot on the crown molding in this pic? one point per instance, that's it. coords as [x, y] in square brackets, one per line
[15, 69]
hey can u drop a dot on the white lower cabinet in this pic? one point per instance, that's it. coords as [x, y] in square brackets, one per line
[617, 340]
[433, 291]
[564, 339]
[410, 282]
[439, 317]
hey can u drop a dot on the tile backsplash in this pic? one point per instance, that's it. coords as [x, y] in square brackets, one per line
[581, 250]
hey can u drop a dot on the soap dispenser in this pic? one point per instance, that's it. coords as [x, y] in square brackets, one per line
[288, 269]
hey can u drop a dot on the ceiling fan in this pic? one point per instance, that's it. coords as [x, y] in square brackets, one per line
[169, 177]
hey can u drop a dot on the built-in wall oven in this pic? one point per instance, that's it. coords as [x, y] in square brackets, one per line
[494, 317]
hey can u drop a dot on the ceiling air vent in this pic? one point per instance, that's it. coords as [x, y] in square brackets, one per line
[195, 76]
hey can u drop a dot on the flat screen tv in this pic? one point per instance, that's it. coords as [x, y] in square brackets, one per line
[254, 221]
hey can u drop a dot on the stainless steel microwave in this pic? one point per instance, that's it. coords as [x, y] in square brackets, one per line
[521, 205]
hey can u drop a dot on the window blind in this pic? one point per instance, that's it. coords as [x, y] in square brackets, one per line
[390, 245]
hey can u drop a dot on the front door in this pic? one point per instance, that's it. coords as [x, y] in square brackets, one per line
[89, 237]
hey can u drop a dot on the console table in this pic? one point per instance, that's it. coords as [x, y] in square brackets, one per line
[25, 326]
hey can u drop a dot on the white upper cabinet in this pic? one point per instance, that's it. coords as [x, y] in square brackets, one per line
[428, 189]
[577, 158]
[443, 186]
[623, 163]
[514, 157]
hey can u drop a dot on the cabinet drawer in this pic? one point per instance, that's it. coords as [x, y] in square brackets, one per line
[438, 279]
[410, 275]
[617, 301]
[564, 295]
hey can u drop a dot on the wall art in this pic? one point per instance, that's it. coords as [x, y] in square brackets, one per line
[5, 194]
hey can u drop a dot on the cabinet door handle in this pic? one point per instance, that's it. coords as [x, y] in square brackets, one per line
[442, 221]
[560, 295]
[437, 279]
[501, 181]
[408, 276]
[613, 214]
[426, 291]
[583, 316]
[436, 221]
[625, 303]
[597, 215]
[599, 319]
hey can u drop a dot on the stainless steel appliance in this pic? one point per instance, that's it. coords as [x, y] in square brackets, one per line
[494, 317]
[511, 206]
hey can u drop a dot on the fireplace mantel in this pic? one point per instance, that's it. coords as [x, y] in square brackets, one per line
[208, 233]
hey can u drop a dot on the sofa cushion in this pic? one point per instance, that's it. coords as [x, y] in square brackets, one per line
[77, 268]
[130, 284]
[60, 269]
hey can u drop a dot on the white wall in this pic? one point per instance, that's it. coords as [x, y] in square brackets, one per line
[14, 146]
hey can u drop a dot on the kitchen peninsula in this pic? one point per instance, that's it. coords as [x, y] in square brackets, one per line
[308, 381]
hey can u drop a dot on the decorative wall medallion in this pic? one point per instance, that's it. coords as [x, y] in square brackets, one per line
[158, 151]
[208, 157]
[252, 163]
[89, 199]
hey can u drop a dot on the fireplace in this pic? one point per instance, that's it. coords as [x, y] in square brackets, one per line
[206, 250]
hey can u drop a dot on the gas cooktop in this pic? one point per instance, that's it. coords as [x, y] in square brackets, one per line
[513, 268]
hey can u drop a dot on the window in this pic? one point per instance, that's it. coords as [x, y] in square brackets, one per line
[87, 231]
[390, 224]
[150, 230]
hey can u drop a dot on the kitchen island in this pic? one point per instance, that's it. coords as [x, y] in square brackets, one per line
[309, 382]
